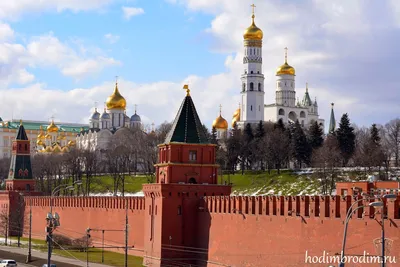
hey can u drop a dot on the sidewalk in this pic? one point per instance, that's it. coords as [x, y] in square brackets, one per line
[43, 255]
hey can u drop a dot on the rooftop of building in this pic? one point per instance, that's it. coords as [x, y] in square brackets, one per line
[35, 125]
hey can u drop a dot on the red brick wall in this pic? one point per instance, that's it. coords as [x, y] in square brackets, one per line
[256, 237]
[79, 213]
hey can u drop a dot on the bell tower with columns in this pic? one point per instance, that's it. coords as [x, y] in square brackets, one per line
[186, 172]
[252, 99]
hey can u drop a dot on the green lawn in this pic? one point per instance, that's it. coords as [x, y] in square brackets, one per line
[110, 258]
[251, 182]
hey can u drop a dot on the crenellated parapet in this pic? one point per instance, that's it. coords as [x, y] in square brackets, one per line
[134, 203]
[327, 207]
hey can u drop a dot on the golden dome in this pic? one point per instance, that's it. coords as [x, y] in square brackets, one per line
[57, 149]
[65, 149]
[236, 117]
[253, 32]
[285, 68]
[49, 149]
[52, 128]
[47, 136]
[220, 122]
[116, 100]
[40, 135]
[71, 143]
[61, 137]
[39, 142]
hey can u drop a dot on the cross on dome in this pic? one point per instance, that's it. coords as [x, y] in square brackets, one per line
[135, 108]
[253, 6]
[286, 49]
[220, 109]
[116, 79]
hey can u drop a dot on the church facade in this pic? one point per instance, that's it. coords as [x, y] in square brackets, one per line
[112, 121]
[252, 108]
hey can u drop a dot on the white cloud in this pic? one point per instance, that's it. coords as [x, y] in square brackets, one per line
[48, 51]
[131, 11]
[6, 32]
[15, 8]
[111, 38]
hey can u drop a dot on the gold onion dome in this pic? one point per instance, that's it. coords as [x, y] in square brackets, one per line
[253, 32]
[236, 117]
[64, 149]
[52, 128]
[71, 143]
[220, 122]
[39, 142]
[116, 100]
[285, 69]
[40, 135]
[49, 149]
[47, 136]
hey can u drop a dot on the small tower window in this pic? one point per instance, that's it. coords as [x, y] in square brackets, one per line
[259, 87]
[251, 86]
[251, 108]
[192, 155]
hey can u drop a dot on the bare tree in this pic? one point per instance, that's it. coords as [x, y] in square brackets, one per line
[326, 159]
[393, 139]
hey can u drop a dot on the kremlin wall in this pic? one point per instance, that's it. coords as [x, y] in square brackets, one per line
[187, 218]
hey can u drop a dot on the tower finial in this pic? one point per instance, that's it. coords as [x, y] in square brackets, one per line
[220, 109]
[186, 87]
[286, 49]
[116, 79]
[95, 106]
[332, 104]
[20, 122]
[307, 87]
[253, 16]
[135, 108]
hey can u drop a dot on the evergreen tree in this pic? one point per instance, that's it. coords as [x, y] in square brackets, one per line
[300, 146]
[207, 132]
[346, 138]
[233, 148]
[316, 135]
[260, 130]
[246, 153]
[214, 139]
[280, 125]
[375, 138]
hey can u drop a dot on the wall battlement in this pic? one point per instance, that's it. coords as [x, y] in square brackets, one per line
[329, 207]
[134, 203]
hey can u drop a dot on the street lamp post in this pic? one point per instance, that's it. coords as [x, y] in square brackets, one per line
[53, 221]
[381, 204]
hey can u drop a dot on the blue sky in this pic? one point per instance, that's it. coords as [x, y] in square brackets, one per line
[60, 56]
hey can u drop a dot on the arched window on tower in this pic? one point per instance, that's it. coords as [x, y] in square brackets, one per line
[243, 87]
[259, 87]
[251, 87]
[251, 108]
[281, 111]
[251, 72]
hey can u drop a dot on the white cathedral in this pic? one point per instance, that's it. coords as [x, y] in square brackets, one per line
[252, 108]
[112, 121]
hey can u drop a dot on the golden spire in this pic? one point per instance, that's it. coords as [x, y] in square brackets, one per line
[20, 122]
[253, 16]
[186, 87]
[285, 69]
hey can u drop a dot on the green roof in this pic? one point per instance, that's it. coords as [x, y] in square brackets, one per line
[187, 127]
[35, 125]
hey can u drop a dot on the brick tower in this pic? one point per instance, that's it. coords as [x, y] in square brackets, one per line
[186, 172]
[20, 175]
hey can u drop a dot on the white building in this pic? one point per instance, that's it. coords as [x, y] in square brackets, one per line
[252, 108]
[112, 121]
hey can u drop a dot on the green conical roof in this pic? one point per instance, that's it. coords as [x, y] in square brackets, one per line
[187, 127]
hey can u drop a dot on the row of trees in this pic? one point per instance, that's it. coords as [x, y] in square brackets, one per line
[276, 145]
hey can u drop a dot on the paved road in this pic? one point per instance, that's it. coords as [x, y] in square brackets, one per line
[40, 258]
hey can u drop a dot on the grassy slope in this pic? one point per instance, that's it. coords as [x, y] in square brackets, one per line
[110, 258]
[250, 182]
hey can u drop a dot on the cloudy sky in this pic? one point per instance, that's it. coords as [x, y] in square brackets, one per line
[59, 57]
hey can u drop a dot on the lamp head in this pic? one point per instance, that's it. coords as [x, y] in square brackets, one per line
[376, 204]
[390, 196]
[49, 216]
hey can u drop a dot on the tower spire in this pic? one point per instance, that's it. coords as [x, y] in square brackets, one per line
[186, 87]
[253, 16]
[332, 122]
[286, 49]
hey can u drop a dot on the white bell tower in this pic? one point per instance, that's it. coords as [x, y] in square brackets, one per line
[252, 100]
